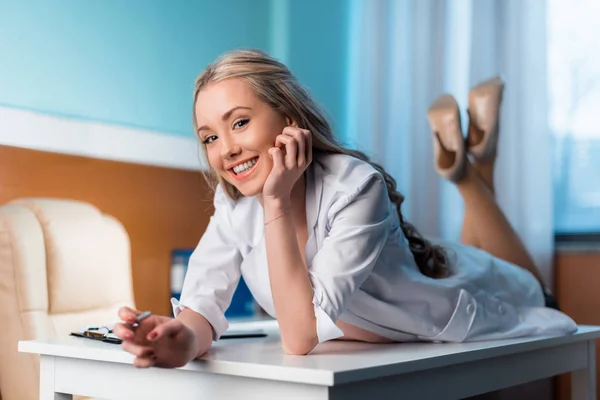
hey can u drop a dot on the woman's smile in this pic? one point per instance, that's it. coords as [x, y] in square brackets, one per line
[243, 170]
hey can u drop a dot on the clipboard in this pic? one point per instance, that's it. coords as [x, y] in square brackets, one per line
[94, 333]
[101, 333]
[105, 338]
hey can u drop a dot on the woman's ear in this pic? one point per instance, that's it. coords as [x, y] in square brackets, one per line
[291, 122]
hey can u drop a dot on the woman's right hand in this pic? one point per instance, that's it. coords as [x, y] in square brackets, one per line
[157, 341]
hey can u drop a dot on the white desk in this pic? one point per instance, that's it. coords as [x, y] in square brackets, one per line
[258, 369]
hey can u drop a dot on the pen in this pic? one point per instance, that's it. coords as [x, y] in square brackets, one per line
[140, 317]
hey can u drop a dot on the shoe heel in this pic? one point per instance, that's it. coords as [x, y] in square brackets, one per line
[484, 114]
[448, 144]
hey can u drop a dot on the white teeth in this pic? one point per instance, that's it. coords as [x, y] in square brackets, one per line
[238, 169]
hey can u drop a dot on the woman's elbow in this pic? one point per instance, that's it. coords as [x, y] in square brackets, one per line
[296, 351]
[299, 347]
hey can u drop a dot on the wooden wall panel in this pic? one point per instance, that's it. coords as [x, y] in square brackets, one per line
[578, 293]
[161, 208]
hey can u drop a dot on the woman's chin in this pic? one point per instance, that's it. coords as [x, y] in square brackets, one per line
[249, 190]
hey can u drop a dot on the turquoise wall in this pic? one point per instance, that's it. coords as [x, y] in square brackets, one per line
[125, 62]
[134, 62]
[318, 53]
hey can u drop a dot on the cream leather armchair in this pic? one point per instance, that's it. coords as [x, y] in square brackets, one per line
[63, 264]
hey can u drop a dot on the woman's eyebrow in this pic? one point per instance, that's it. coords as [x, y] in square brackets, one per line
[226, 116]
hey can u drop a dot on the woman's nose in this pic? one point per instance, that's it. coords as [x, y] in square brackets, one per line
[229, 149]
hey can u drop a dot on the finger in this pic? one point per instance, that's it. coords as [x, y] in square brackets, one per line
[168, 329]
[309, 148]
[128, 314]
[281, 141]
[291, 150]
[123, 331]
[277, 156]
[298, 135]
[137, 349]
[291, 154]
[144, 362]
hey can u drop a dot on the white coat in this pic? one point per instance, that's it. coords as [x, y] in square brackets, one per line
[362, 270]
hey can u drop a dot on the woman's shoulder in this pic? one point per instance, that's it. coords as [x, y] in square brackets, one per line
[345, 171]
[345, 178]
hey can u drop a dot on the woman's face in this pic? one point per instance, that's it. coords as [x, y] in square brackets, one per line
[238, 129]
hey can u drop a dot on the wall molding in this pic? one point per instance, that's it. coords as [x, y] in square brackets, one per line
[33, 130]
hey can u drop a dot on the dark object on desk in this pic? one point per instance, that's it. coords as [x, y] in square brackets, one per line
[105, 339]
[549, 300]
[243, 334]
[115, 340]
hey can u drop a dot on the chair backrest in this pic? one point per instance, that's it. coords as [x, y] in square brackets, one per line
[63, 264]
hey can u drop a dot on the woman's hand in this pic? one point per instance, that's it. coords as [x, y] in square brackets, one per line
[288, 164]
[157, 341]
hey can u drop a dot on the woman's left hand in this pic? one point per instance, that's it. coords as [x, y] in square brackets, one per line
[291, 156]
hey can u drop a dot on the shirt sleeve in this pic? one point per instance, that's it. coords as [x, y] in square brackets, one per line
[360, 226]
[213, 270]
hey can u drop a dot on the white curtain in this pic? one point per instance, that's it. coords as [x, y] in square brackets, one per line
[403, 54]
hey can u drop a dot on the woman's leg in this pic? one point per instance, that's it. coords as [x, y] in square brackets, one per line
[485, 171]
[485, 167]
[485, 225]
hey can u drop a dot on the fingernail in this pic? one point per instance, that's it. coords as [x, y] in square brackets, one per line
[152, 335]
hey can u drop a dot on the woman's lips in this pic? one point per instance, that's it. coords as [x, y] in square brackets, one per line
[244, 174]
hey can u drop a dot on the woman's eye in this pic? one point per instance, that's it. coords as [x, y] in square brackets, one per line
[209, 139]
[240, 123]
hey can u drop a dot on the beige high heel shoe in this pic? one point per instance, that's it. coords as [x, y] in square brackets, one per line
[448, 143]
[484, 115]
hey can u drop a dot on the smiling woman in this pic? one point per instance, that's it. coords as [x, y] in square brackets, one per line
[317, 232]
[237, 130]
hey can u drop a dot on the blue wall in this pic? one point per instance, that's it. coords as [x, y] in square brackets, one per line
[126, 62]
[318, 53]
[134, 62]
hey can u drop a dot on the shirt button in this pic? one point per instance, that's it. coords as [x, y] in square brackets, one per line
[470, 309]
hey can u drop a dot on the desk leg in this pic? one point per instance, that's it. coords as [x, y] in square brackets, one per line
[47, 381]
[583, 382]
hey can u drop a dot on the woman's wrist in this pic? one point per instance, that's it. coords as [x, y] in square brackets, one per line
[201, 332]
[275, 208]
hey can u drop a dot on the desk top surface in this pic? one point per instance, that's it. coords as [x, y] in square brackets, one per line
[330, 363]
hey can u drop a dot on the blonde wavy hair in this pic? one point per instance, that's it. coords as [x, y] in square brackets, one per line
[274, 84]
